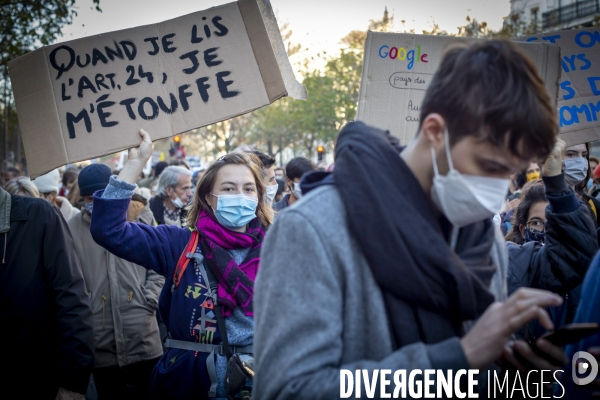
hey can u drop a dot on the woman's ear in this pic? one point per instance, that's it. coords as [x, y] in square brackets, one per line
[522, 230]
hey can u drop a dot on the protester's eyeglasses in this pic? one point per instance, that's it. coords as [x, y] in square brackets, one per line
[536, 225]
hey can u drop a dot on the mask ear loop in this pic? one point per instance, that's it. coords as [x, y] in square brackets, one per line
[448, 155]
[447, 145]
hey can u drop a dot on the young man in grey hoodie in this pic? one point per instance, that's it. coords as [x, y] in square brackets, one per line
[387, 259]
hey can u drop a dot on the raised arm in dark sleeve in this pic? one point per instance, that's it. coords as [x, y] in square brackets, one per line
[157, 248]
[571, 242]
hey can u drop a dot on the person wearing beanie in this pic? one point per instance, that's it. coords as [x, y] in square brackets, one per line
[124, 299]
[48, 187]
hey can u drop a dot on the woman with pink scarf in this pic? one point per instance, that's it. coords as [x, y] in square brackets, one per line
[210, 267]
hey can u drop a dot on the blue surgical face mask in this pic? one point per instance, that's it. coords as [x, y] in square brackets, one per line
[531, 235]
[235, 210]
[575, 170]
[88, 206]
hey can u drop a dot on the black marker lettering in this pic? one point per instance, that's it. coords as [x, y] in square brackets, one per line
[114, 53]
[104, 115]
[155, 47]
[203, 88]
[110, 77]
[99, 79]
[207, 31]
[164, 107]
[88, 59]
[129, 49]
[195, 38]
[98, 56]
[84, 83]
[63, 94]
[167, 48]
[147, 75]
[209, 59]
[195, 63]
[73, 119]
[223, 84]
[127, 103]
[222, 28]
[183, 95]
[142, 112]
[131, 80]
[62, 67]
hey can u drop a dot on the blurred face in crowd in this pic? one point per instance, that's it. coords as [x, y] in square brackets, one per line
[7, 176]
[593, 165]
[536, 219]
[88, 199]
[269, 176]
[183, 190]
[232, 179]
[533, 168]
[51, 197]
[279, 173]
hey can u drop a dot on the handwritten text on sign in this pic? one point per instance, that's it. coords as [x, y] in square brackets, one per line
[64, 58]
[398, 69]
[89, 97]
[579, 92]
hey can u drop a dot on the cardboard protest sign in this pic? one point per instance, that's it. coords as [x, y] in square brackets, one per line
[398, 68]
[89, 97]
[579, 93]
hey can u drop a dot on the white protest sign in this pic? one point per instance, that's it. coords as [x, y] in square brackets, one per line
[89, 97]
[398, 68]
[579, 94]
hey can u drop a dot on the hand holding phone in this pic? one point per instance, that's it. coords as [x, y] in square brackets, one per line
[571, 333]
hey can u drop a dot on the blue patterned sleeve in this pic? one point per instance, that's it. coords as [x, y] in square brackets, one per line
[117, 189]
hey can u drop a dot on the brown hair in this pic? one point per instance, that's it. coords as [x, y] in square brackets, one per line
[533, 192]
[490, 89]
[581, 186]
[206, 184]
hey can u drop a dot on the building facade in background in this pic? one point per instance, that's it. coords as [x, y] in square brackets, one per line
[553, 15]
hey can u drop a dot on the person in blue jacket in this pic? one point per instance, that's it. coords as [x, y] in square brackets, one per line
[225, 229]
[588, 311]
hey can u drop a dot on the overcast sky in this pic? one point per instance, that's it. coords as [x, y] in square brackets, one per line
[316, 24]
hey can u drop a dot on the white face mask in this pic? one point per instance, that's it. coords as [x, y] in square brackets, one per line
[177, 202]
[297, 192]
[466, 199]
[575, 170]
[271, 192]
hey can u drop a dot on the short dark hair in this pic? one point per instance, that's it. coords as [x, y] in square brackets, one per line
[533, 192]
[69, 175]
[490, 89]
[159, 167]
[267, 160]
[298, 166]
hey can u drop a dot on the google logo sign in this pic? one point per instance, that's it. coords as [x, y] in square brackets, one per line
[401, 53]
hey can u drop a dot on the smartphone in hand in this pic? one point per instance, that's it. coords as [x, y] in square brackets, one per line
[571, 333]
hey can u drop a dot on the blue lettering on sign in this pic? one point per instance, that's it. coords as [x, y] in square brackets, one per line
[566, 86]
[594, 83]
[569, 115]
[587, 39]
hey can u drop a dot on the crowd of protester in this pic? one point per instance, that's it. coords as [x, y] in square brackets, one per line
[252, 280]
